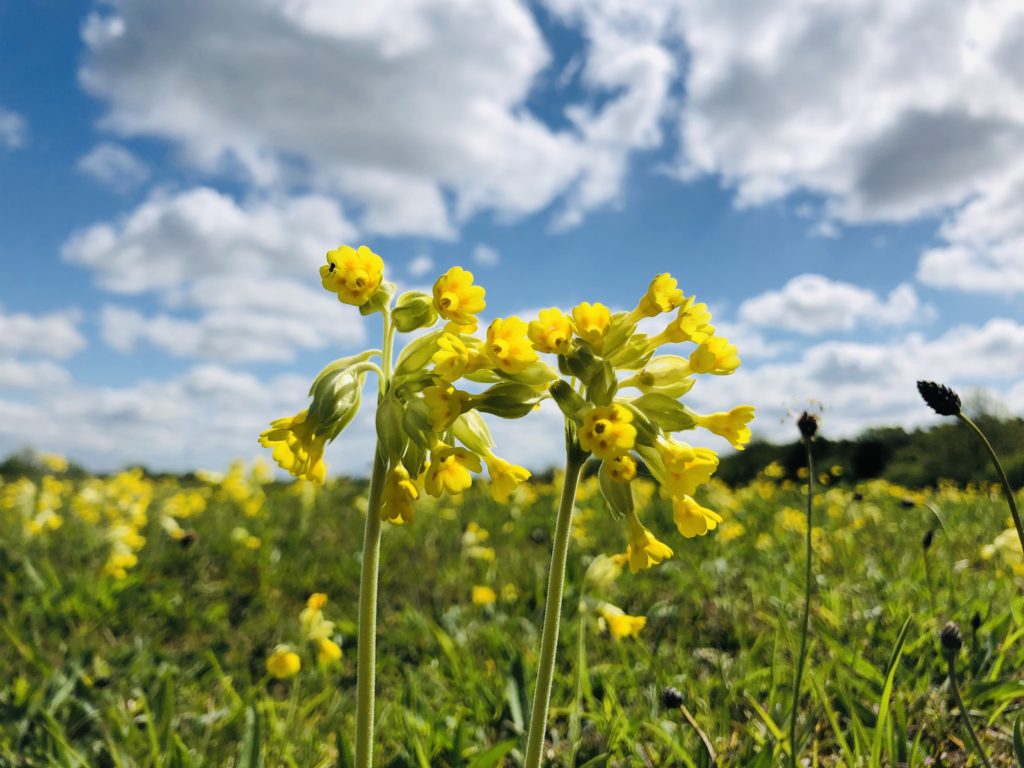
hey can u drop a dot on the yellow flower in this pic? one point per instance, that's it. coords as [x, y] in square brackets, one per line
[297, 447]
[54, 462]
[456, 298]
[483, 596]
[622, 468]
[452, 357]
[686, 468]
[450, 469]
[619, 623]
[508, 345]
[551, 332]
[693, 323]
[505, 477]
[603, 571]
[607, 431]
[663, 295]
[692, 519]
[643, 549]
[444, 405]
[399, 494]
[731, 425]
[353, 275]
[283, 663]
[591, 321]
[715, 355]
[327, 650]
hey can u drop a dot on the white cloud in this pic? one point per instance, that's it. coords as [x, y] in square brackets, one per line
[814, 304]
[13, 129]
[486, 256]
[115, 166]
[420, 265]
[51, 335]
[34, 374]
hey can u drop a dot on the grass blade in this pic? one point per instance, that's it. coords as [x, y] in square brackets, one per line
[1018, 741]
[883, 704]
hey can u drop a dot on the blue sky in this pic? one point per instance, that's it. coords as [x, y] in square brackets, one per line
[840, 182]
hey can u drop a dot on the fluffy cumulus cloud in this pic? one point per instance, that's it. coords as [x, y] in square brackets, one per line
[889, 110]
[814, 304]
[13, 129]
[47, 335]
[393, 104]
[114, 166]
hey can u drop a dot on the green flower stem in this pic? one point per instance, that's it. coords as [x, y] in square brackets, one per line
[367, 664]
[552, 611]
[366, 669]
[807, 612]
[951, 662]
[1002, 476]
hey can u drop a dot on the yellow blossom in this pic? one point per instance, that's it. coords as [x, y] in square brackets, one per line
[450, 469]
[603, 571]
[644, 550]
[621, 468]
[508, 345]
[444, 405]
[551, 332]
[327, 651]
[505, 477]
[483, 596]
[54, 462]
[452, 357]
[591, 321]
[715, 355]
[686, 468]
[732, 425]
[399, 494]
[663, 295]
[692, 519]
[297, 447]
[730, 531]
[693, 323]
[283, 663]
[456, 298]
[352, 274]
[607, 431]
[619, 623]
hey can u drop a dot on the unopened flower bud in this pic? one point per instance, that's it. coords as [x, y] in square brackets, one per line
[940, 398]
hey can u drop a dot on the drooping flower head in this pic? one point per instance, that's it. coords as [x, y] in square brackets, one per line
[644, 550]
[686, 468]
[607, 431]
[400, 493]
[693, 323]
[732, 425]
[452, 358]
[716, 356]
[444, 405]
[456, 298]
[297, 448]
[551, 332]
[692, 519]
[619, 623]
[508, 346]
[450, 469]
[505, 477]
[663, 295]
[352, 274]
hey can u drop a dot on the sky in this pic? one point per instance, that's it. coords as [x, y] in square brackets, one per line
[842, 183]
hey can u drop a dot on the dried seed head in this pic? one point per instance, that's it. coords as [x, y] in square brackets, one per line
[976, 621]
[808, 425]
[907, 503]
[926, 542]
[940, 398]
[951, 637]
[671, 698]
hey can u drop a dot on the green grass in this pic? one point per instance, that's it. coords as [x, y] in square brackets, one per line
[166, 667]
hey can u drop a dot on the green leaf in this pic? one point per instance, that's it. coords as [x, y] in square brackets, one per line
[618, 495]
[883, 705]
[666, 412]
[1018, 741]
[250, 755]
[493, 756]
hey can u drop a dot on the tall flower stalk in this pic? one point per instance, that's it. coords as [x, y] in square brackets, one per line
[808, 426]
[945, 402]
[430, 435]
[600, 355]
[952, 641]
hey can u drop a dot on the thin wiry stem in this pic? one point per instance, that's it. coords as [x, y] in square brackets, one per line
[951, 663]
[807, 610]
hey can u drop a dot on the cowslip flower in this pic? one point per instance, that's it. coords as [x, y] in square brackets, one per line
[327, 651]
[591, 321]
[505, 477]
[622, 468]
[483, 596]
[283, 663]
[714, 355]
[400, 493]
[508, 345]
[297, 448]
[686, 468]
[352, 274]
[607, 431]
[692, 519]
[457, 299]
[693, 323]
[449, 470]
[551, 332]
[663, 295]
[732, 425]
[644, 550]
[444, 405]
[452, 358]
[619, 623]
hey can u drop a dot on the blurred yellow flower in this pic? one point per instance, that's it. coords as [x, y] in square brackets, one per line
[327, 651]
[551, 332]
[283, 663]
[483, 595]
[457, 299]
[619, 623]
[505, 477]
[621, 468]
[296, 446]
[352, 274]
[607, 431]
[692, 519]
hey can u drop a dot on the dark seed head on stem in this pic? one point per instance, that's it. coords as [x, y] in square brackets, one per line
[976, 621]
[951, 636]
[808, 425]
[940, 398]
[671, 698]
[929, 536]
